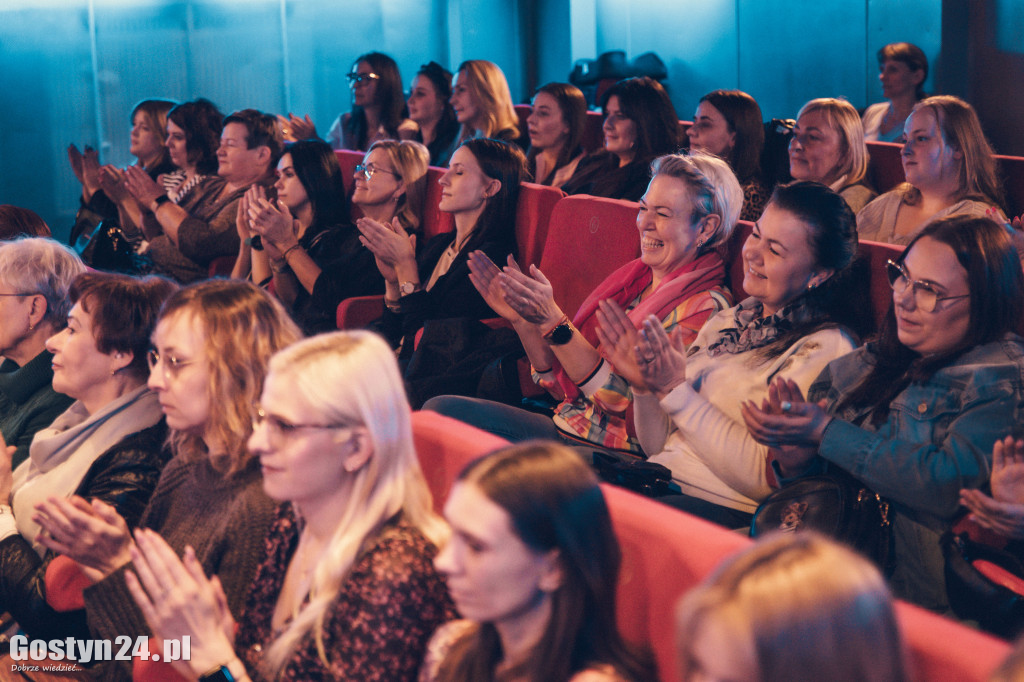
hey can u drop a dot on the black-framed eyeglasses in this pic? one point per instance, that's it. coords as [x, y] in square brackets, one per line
[282, 428]
[27, 293]
[368, 169]
[172, 365]
[925, 296]
[357, 78]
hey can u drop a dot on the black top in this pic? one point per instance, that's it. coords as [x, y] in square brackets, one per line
[599, 175]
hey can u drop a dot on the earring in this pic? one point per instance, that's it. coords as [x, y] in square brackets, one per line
[700, 243]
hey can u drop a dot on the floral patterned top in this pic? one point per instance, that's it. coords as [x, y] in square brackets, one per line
[378, 629]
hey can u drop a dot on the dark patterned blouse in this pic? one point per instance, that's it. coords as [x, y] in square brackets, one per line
[378, 629]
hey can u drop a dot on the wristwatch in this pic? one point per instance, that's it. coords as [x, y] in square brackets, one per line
[560, 335]
[219, 674]
[406, 288]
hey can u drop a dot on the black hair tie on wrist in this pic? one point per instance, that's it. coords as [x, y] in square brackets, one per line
[255, 241]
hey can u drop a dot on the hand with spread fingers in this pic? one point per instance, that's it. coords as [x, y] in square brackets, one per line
[1003, 511]
[530, 295]
[93, 534]
[294, 128]
[271, 220]
[142, 187]
[178, 600]
[486, 278]
[390, 244]
[618, 338]
[788, 424]
[660, 357]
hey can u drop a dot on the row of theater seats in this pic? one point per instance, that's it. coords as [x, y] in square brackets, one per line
[885, 168]
[665, 552]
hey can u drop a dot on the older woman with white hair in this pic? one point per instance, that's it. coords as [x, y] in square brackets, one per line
[689, 209]
[35, 277]
[347, 588]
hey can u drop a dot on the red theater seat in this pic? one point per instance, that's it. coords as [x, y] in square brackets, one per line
[1011, 170]
[348, 160]
[533, 216]
[885, 167]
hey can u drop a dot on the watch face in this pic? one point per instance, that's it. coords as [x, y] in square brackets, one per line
[561, 335]
[407, 288]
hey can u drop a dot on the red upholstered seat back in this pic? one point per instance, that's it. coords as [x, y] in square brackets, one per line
[433, 220]
[348, 160]
[1011, 171]
[885, 167]
[533, 214]
[734, 259]
[593, 135]
[881, 293]
[588, 239]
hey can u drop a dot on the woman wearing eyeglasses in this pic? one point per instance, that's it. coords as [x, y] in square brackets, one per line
[914, 415]
[346, 588]
[107, 446]
[306, 245]
[377, 105]
[210, 351]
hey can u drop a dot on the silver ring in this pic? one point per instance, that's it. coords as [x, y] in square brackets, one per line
[786, 406]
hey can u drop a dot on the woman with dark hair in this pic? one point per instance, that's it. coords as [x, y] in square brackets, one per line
[107, 446]
[902, 69]
[914, 415]
[102, 196]
[193, 135]
[640, 125]
[806, 307]
[430, 109]
[828, 146]
[483, 104]
[950, 169]
[533, 566]
[16, 221]
[555, 126]
[728, 124]
[795, 607]
[306, 245]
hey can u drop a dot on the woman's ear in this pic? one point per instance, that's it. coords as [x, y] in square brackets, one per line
[358, 449]
[552, 575]
[120, 360]
[709, 225]
[819, 278]
[492, 188]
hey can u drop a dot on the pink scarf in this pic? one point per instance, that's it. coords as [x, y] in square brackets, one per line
[625, 284]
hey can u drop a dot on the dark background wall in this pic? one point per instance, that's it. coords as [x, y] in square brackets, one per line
[71, 70]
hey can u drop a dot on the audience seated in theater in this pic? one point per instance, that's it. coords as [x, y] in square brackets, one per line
[728, 124]
[202, 228]
[902, 69]
[148, 131]
[378, 105]
[483, 104]
[806, 307]
[430, 109]
[481, 190]
[914, 416]
[109, 445]
[35, 277]
[828, 147]
[193, 135]
[210, 351]
[689, 211]
[309, 249]
[791, 608]
[533, 566]
[346, 588]
[555, 126]
[639, 126]
[1003, 510]
[950, 171]
[16, 221]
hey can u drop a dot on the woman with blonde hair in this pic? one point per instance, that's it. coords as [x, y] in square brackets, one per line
[828, 147]
[483, 103]
[210, 350]
[304, 241]
[950, 169]
[792, 608]
[346, 588]
[533, 565]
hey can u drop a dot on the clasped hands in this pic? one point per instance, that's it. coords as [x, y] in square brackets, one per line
[392, 247]
[792, 427]
[270, 219]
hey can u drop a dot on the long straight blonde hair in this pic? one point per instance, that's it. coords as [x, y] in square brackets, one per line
[352, 377]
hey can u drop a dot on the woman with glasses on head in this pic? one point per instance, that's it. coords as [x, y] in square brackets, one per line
[640, 125]
[210, 351]
[108, 446]
[346, 588]
[430, 109]
[828, 147]
[914, 415]
[35, 278]
[303, 241]
[950, 170]
[377, 108]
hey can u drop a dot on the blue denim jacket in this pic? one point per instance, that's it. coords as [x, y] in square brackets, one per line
[937, 439]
